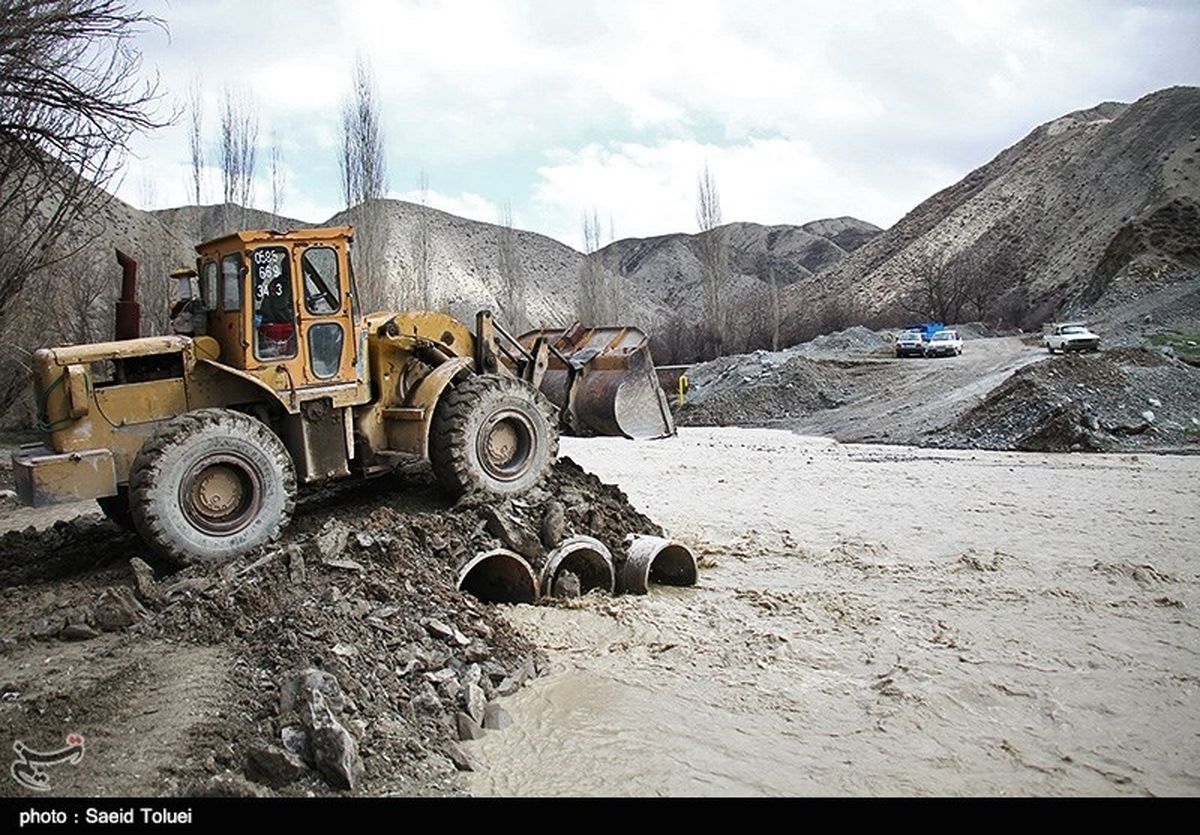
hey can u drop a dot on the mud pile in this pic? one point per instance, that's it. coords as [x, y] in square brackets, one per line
[1119, 400]
[356, 662]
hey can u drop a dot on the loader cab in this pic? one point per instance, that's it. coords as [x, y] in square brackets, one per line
[281, 305]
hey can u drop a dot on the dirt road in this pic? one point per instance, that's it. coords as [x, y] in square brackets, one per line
[904, 399]
[879, 620]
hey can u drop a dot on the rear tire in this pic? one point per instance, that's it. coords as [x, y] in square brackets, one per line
[210, 485]
[492, 434]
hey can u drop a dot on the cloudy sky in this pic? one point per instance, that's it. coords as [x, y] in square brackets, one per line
[801, 109]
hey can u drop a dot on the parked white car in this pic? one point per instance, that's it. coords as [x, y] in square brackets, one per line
[910, 344]
[945, 343]
[1069, 336]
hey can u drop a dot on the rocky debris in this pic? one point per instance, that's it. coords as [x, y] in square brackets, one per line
[1086, 402]
[145, 583]
[566, 584]
[334, 749]
[226, 785]
[511, 533]
[496, 718]
[475, 701]
[116, 609]
[359, 674]
[297, 693]
[273, 766]
[295, 741]
[461, 759]
[468, 728]
[554, 524]
[78, 632]
[47, 627]
[331, 541]
[446, 632]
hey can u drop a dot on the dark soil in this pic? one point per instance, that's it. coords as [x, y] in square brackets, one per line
[362, 586]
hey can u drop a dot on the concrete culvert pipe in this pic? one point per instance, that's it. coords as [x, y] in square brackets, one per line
[587, 558]
[499, 576]
[653, 559]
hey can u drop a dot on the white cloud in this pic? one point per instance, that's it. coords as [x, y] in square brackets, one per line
[651, 189]
[804, 107]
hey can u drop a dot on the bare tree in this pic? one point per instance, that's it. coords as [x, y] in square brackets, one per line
[70, 100]
[990, 284]
[278, 174]
[239, 145]
[714, 260]
[195, 112]
[363, 163]
[364, 181]
[423, 290]
[598, 296]
[773, 283]
[678, 338]
[512, 274]
[147, 192]
[938, 291]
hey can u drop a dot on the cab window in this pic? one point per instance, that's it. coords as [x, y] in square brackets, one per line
[231, 282]
[208, 285]
[274, 311]
[325, 341]
[322, 293]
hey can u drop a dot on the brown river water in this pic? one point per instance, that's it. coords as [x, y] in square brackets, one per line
[876, 621]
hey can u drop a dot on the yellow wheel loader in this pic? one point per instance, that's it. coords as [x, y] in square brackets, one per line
[274, 380]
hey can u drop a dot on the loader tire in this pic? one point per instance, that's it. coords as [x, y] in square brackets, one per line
[210, 485]
[492, 434]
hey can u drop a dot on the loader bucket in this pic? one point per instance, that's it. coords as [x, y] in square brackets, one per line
[604, 382]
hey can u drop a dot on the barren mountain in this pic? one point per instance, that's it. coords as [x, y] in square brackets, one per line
[669, 267]
[1060, 213]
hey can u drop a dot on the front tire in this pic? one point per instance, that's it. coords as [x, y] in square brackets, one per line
[492, 434]
[210, 485]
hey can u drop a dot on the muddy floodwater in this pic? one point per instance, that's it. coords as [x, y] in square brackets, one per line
[876, 621]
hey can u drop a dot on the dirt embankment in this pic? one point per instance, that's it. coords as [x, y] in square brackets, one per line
[851, 388]
[1121, 400]
[1002, 392]
[341, 656]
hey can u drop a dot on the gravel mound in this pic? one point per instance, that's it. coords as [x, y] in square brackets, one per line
[758, 389]
[1119, 400]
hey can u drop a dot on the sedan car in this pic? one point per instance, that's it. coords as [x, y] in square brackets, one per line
[910, 344]
[944, 344]
[1070, 336]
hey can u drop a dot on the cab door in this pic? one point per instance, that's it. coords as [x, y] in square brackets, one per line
[326, 319]
[274, 327]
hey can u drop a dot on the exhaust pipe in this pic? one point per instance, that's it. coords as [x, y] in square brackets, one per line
[586, 558]
[129, 312]
[658, 560]
[499, 576]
